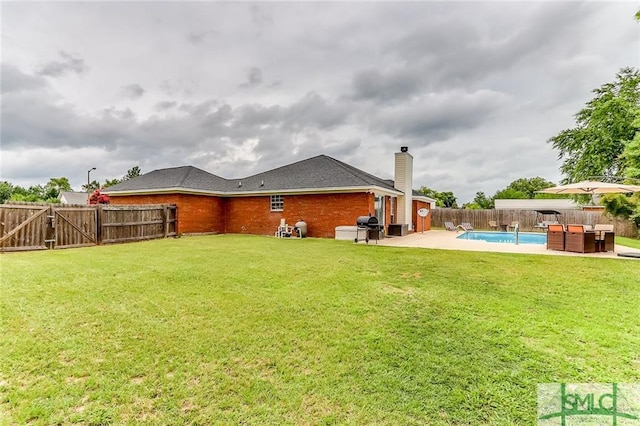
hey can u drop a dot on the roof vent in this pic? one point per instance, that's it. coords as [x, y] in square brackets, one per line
[404, 149]
[239, 184]
[261, 183]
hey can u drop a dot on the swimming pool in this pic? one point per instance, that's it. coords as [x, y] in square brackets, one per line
[505, 237]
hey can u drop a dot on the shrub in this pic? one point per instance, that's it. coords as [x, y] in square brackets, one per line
[98, 198]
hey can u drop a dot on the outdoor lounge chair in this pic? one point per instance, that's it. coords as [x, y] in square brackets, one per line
[450, 226]
[466, 226]
[512, 225]
[555, 237]
[605, 237]
[493, 225]
[579, 240]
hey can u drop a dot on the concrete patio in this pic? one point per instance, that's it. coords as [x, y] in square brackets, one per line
[447, 240]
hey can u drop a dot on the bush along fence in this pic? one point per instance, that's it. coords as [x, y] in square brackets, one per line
[29, 226]
[528, 219]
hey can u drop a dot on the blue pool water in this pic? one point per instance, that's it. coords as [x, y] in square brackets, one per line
[505, 237]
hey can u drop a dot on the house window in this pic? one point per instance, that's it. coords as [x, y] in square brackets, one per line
[392, 207]
[277, 203]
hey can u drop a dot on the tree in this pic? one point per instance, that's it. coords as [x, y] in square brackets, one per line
[49, 193]
[603, 129]
[448, 199]
[482, 201]
[530, 186]
[526, 188]
[54, 187]
[428, 192]
[111, 182]
[620, 205]
[631, 154]
[35, 194]
[510, 194]
[132, 173]
[443, 199]
[91, 187]
[6, 189]
[606, 140]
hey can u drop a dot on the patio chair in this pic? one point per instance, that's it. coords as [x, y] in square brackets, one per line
[466, 226]
[493, 225]
[605, 237]
[555, 237]
[512, 225]
[580, 240]
[450, 226]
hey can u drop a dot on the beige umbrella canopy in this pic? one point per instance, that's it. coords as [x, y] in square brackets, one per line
[591, 187]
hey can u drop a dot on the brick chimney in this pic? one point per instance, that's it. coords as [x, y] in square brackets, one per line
[403, 181]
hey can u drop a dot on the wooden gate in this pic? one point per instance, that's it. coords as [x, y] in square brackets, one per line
[75, 227]
[24, 227]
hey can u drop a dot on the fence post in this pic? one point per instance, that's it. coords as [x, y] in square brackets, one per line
[99, 221]
[50, 231]
[165, 220]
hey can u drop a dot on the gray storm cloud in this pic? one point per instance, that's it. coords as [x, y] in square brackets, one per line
[67, 64]
[237, 88]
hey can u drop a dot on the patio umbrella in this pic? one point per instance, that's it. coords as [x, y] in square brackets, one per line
[591, 187]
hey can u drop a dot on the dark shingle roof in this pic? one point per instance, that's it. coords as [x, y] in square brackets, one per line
[321, 172]
[187, 177]
[313, 173]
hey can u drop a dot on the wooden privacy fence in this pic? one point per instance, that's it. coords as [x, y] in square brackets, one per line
[527, 219]
[53, 226]
[135, 223]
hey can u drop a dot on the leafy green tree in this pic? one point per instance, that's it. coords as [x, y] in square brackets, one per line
[603, 129]
[18, 190]
[525, 188]
[91, 187]
[34, 194]
[631, 154]
[111, 182]
[6, 189]
[620, 205]
[132, 173]
[428, 192]
[510, 193]
[443, 199]
[448, 199]
[482, 201]
[54, 186]
[530, 186]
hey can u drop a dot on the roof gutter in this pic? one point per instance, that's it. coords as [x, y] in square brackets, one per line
[297, 191]
[174, 190]
[423, 198]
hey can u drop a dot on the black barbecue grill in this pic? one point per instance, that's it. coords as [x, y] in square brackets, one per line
[369, 226]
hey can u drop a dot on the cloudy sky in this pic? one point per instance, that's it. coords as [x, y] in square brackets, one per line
[475, 89]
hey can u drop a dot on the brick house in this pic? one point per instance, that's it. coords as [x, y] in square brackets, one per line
[322, 191]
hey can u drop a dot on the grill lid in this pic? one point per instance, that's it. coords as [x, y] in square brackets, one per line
[368, 221]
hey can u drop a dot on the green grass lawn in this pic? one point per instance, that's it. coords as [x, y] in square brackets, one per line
[256, 330]
[629, 242]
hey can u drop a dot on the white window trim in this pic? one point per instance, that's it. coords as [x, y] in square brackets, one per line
[276, 200]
